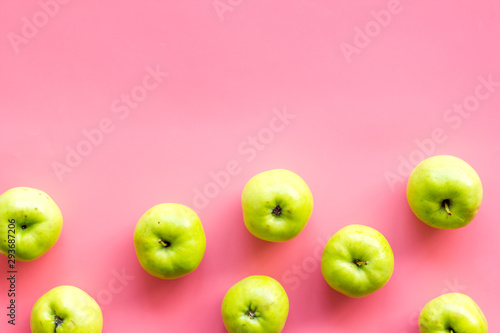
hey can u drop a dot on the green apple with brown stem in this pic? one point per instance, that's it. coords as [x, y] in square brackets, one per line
[357, 261]
[452, 313]
[256, 304]
[66, 309]
[444, 192]
[276, 205]
[169, 241]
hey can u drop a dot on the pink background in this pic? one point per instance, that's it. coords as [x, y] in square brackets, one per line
[356, 118]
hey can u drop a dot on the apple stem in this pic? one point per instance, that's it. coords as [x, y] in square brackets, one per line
[251, 314]
[167, 244]
[277, 210]
[359, 262]
[446, 206]
[58, 320]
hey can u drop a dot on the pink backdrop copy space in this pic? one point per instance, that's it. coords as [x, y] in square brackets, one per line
[348, 95]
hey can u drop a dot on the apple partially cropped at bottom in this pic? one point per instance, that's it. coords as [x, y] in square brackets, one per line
[256, 304]
[357, 261]
[169, 241]
[30, 223]
[453, 313]
[444, 192]
[276, 205]
[66, 309]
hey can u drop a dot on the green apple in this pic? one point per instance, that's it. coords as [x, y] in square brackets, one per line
[357, 261]
[276, 205]
[256, 304]
[30, 223]
[169, 241]
[444, 192]
[452, 313]
[66, 309]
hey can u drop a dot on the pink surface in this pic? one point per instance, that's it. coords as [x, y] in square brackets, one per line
[363, 108]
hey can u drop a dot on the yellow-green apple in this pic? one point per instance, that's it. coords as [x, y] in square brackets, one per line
[276, 205]
[169, 241]
[357, 261]
[256, 304]
[66, 309]
[444, 192]
[30, 223]
[452, 313]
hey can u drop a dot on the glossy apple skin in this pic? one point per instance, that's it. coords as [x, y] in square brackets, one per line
[38, 222]
[182, 228]
[267, 190]
[357, 243]
[79, 312]
[453, 312]
[441, 178]
[259, 296]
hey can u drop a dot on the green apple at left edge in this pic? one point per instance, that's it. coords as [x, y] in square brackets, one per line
[169, 241]
[66, 309]
[30, 223]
